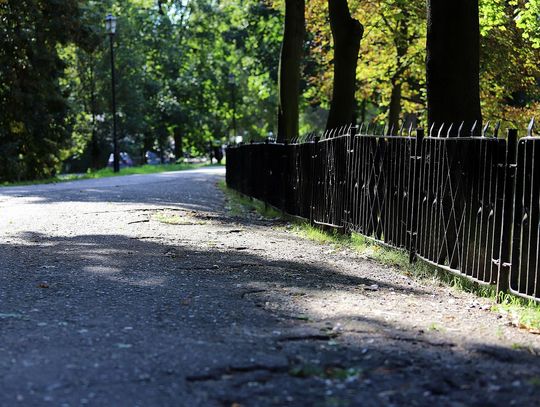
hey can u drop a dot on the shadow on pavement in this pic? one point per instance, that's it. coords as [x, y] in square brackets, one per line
[116, 320]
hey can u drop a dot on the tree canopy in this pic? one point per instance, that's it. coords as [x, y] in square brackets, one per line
[192, 73]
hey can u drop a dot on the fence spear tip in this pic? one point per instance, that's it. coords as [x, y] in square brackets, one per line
[485, 129]
[473, 128]
[439, 134]
[449, 132]
[530, 128]
[461, 128]
[496, 130]
[432, 129]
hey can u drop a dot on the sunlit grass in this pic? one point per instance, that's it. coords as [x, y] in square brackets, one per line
[240, 205]
[174, 219]
[108, 172]
[143, 169]
[523, 313]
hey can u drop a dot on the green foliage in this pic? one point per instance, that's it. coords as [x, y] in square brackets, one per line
[191, 74]
[34, 129]
[393, 54]
[173, 59]
[509, 55]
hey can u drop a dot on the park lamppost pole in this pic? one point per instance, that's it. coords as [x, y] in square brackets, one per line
[110, 26]
[232, 82]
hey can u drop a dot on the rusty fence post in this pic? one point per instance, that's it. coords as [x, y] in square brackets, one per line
[504, 261]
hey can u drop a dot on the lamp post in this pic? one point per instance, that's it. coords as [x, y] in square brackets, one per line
[232, 82]
[110, 26]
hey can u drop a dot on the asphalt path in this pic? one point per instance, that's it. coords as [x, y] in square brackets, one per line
[144, 290]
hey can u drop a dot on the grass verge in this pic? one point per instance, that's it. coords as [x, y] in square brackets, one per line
[108, 172]
[522, 312]
[241, 205]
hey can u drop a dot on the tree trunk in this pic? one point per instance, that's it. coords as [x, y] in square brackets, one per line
[453, 94]
[394, 110]
[178, 148]
[289, 69]
[95, 151]
[347, 33]
[453, 59]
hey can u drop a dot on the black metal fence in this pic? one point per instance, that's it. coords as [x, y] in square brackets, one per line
[469, 205]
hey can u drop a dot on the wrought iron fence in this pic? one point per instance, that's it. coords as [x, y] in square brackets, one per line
[524, 265]
[461, 191]
[469, 205]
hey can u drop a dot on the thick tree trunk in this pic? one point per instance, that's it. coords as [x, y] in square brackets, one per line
[453, 59]
[347, 33]
[453, 93]
[289, 69]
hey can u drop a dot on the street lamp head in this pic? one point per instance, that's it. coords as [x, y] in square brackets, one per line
[110, 24]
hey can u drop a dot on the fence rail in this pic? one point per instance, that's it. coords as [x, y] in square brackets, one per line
[468, 205]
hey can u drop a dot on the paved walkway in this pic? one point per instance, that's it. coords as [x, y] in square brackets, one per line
[143, 290]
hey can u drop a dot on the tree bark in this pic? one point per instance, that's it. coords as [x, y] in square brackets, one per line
[347, 34]
[394, 110]
[453, 63]
[178, 148]
[289, 69]
[95, 151]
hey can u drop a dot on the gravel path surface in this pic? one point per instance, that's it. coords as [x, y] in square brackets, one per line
[143, 291]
